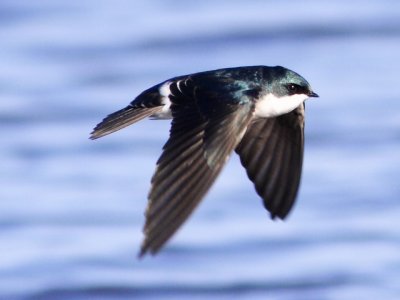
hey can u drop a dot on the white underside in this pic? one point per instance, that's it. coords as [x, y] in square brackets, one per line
[270, 105]
[267, 106]
[165, 112]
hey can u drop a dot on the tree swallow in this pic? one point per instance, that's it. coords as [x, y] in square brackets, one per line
[258, 111]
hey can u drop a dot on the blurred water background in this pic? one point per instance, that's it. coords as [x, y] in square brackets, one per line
[71, 209]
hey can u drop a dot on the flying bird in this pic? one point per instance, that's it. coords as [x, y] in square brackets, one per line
[256, 111]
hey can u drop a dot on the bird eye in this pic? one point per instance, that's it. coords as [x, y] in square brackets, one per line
[295, 89]
[292, 88]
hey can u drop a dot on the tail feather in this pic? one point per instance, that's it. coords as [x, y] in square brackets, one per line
[121, 119]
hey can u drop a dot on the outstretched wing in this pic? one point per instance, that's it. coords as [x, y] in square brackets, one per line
[272, 153]
[205, 130]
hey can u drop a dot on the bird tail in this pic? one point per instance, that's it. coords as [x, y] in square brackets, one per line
[146, 104]
[121, 119]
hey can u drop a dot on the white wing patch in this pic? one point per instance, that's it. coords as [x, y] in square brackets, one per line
[270, 105]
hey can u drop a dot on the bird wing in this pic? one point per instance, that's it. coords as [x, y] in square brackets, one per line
[206, 128]
[272, 153]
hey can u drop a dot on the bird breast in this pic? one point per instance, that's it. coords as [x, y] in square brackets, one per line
[269, 105]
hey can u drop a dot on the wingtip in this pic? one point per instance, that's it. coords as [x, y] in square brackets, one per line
[279, 216]
[144, 248]
[141, 254]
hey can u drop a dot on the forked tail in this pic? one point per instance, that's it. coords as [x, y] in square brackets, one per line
[121, 119]
[145, 105]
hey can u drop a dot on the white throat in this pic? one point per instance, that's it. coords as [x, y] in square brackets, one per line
[270, 105]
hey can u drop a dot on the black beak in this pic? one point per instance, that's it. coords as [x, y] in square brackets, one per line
[312, 94]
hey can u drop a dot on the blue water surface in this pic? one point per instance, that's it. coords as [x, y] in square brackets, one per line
[71, 209]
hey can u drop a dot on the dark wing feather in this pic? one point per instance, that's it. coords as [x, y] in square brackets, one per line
[198, 147]
[272, 153]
